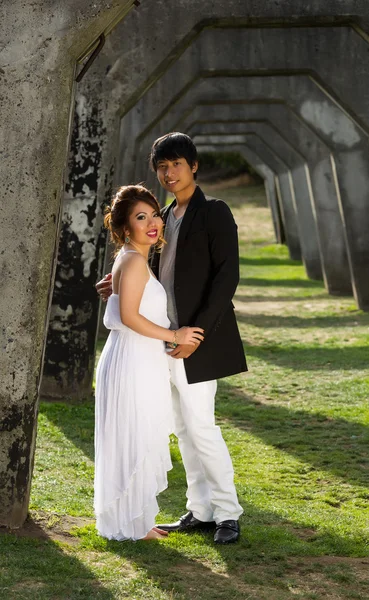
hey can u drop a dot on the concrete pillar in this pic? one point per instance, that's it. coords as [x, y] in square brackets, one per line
[295, 162]
[270, 191]
[70, 349]
[74, 316]
[161, 195]
[40, 47]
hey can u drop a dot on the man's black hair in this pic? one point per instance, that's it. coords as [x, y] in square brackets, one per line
[171, 146]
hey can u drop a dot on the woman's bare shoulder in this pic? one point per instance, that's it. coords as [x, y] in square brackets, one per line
[132, 262]
[127, 266]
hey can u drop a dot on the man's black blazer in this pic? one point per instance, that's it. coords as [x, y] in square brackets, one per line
[205, 279]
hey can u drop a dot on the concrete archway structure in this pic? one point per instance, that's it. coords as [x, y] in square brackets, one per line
[209, 118]
[257, 164]
[268, 176]
[135, 61]
[294, 171]
[37, 85]
[294, 90]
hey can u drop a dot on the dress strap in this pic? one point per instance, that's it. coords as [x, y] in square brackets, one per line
[147, 265]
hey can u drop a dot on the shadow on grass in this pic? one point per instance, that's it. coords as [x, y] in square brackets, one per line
[336, 446]
[268, 321]
[188, 578]
[313, 358]
[294, 282]
[179, 565]
[268, 538]
[268, 298]
[76, 421]
[35, 567]
[269, 261]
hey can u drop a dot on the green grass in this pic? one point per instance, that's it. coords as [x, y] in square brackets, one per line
[297, 426]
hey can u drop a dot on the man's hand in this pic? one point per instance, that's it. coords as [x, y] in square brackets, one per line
[183, 350]
[104, 287]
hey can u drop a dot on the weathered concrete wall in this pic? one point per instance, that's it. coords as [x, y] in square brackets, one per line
[40, 45]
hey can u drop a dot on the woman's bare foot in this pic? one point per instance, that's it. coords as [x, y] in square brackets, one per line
[161, 531]
[155, 534]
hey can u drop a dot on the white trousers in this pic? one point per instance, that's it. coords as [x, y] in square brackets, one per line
[211, 491]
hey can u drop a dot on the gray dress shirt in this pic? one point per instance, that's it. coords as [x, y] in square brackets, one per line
[167, 263]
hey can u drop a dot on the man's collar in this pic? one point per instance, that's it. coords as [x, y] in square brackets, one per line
[197, 197]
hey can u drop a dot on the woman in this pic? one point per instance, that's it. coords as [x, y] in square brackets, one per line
[133, 400]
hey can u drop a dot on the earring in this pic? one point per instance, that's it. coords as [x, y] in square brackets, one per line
[127, 239]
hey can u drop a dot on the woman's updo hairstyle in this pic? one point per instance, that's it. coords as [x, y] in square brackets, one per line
[117, 215]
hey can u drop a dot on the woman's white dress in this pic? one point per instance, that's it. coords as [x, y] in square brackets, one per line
[133, 420]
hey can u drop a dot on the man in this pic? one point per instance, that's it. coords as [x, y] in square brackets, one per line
[199, 269]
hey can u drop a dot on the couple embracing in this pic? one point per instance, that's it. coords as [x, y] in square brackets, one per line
[173, 334]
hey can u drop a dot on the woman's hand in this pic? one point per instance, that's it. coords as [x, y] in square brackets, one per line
[104, 287]
[190, 335]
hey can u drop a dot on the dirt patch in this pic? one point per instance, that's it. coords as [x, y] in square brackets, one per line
[329, 577]
[28, 585]
[304, 533]
[48, 526]
[275, 306]
[333, 560]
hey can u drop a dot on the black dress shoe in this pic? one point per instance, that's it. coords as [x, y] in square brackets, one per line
[187, 523]
[227, 532]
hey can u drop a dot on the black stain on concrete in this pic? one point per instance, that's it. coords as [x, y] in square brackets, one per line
[70, 346]
[85, 152]
[15, 469]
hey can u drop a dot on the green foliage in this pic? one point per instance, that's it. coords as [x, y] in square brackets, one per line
[230, 164]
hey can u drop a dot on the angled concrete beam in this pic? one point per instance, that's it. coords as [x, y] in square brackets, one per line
[137, 60]
[278, 50]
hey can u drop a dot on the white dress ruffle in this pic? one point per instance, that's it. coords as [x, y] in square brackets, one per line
[133, 421]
